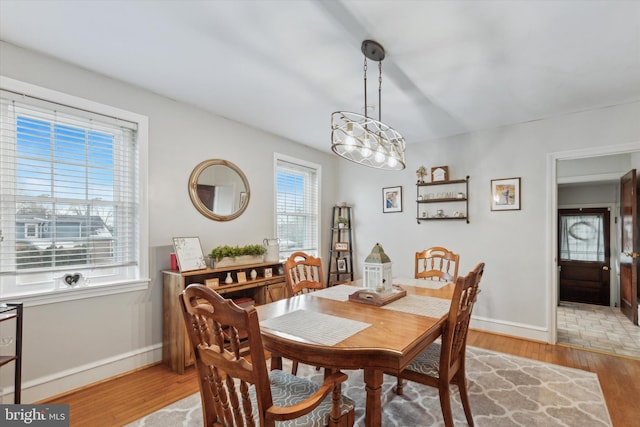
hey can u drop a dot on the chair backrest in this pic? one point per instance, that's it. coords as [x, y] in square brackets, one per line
[454, 336]
[437, 263]
[219, 362]
[303, 273]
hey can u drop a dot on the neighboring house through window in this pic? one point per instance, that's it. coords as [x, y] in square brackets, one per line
[71, 192]
[297, 205]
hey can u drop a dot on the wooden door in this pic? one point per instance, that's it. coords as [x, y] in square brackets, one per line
[583, 245]
[629, 243]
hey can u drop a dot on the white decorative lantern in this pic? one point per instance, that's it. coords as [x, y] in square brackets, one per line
[377, 270]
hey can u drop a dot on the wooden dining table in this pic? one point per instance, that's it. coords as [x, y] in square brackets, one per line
[326, 329]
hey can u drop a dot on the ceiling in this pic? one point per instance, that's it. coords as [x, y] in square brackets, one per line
[284, 66]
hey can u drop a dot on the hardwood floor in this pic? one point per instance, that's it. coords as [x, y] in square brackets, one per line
[118, 401]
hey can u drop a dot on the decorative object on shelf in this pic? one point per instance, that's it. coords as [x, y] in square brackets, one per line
[189, 253]
[254, 274]
[392, 199]
[227, 256]
[505, 194]
[439, 173]
[228, 279]
[362, 139]
[272, 248]
[341, 246]
[212, 283]
[342, 222]
[173, 260]
[377, 270]
[341, 263]
[421, 173]
[268, 272]
[73, 279]
[242, 277]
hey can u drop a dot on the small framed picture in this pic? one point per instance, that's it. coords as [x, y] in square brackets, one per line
[268, 272]
[392, 199]
[505, 194]
[212, 283]
[342, 264]
[439, 173]
[189, 253]
[242, 277]
[341, 246]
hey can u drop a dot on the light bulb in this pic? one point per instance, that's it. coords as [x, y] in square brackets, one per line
[349, 141]
[366, 151]
[392, 162]
[379, 155]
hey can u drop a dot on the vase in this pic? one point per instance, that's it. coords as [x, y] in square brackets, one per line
[229, 279]
[254, 274]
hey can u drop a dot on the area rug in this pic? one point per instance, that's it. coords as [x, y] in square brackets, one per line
[503, 390]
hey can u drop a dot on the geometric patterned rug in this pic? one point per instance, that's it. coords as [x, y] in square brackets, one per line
[504, 390]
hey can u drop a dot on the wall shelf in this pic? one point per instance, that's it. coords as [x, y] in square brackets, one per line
[443, 200]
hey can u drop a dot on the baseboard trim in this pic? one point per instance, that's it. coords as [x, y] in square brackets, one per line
[65, 381]
[518, 330]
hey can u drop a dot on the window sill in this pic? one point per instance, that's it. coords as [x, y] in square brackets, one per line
[81, 292]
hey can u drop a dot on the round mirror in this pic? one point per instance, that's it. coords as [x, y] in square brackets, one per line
[219, 190]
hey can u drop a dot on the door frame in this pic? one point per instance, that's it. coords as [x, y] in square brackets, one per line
[552, 217]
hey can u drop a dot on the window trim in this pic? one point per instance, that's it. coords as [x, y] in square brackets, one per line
[318, 168]
[141, 282]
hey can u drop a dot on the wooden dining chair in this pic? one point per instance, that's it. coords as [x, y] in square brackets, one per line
[443, 363]
[437, 263]
[238, 390]
[303, 274]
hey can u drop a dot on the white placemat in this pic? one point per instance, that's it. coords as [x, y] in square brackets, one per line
[418, 283]
[315, 327]
[421, 305]
[338, 292]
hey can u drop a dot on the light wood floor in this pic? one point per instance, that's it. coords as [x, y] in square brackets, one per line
[124, 399]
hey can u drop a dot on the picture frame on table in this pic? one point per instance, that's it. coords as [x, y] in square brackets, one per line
[341, 246]
[341, 263]
[392, 199]
[505, 194]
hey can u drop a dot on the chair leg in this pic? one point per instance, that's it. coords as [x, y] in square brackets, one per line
[464, 397]
[445, 405]
[294, 367]
[399, 388]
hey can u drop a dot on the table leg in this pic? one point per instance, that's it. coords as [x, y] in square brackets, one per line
[373, 379]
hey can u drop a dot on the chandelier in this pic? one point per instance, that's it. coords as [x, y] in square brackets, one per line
[362, 139]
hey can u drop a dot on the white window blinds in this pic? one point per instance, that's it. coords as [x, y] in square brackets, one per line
[69, 181]
[297, 202]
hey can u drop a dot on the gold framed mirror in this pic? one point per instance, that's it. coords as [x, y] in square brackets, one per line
[219, 190]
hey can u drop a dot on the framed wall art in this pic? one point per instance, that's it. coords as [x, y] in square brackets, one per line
[440, 173]
[392, 199]
[505, 194]
[341, 264]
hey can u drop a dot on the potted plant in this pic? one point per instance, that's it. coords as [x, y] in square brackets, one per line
[342, 222]
[226, 255]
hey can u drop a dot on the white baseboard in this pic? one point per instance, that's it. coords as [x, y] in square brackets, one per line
[519, 330]
[62, 382]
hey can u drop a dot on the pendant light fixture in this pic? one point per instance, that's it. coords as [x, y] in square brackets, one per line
[362, 139]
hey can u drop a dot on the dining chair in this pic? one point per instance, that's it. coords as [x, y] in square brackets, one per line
[303, 274]
[443, 363]
[237, 390]
[437, 263]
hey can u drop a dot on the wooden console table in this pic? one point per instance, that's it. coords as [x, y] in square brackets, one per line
[176, 350]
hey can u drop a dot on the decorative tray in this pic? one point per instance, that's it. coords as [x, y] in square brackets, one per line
[377, 298]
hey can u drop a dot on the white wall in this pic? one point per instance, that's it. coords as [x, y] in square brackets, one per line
[515, 245]
[67, 345]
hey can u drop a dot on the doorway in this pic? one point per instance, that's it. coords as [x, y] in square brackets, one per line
[584, 176]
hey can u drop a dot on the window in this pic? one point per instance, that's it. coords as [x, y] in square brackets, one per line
[71, 192]
[297, 204]
[582, 237]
